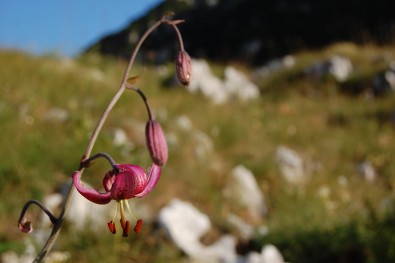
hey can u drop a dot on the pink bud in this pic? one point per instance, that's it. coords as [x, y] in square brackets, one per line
[156, 142]
[183, 67]
[25, 226]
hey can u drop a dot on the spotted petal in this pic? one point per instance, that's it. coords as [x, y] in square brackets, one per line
[153, 178]
[90, 194]
[131, 179]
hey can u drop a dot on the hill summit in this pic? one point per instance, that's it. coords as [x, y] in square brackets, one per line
[254, 31]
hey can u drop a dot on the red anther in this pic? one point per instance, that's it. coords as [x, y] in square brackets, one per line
[138, 226]
[111, 226]
[122, 222]
[126, 229]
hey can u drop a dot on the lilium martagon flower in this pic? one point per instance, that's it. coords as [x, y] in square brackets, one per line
[123, 182]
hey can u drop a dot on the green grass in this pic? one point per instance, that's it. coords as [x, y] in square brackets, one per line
[331, 129]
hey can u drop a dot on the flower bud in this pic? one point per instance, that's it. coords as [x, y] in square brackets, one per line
[183, 67]
[156, 142]
[25, 226]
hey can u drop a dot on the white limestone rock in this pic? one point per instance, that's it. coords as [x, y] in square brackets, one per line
[244, 189]
[291, 165]
[186, 225]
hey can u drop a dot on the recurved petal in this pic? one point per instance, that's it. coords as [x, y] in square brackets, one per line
[153, 178]
[90, 194]
[109, 180]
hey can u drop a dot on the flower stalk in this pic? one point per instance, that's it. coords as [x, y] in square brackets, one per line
[26, 226]
[87, 162]
[183, 60]
[114, 176]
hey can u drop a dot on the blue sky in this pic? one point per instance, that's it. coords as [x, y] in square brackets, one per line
[64, 27]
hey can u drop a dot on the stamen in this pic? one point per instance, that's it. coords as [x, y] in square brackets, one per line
[116, 211]
[111, 226]
[138, 226]
[130, 211]
[121, 209]
[126, 229]
[122, 220]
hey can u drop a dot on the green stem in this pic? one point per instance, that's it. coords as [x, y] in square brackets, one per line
[140, 92]
[58, 225]
[180, 42]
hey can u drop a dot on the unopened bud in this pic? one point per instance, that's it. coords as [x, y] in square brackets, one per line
[183, 67]
[156, 142]
[25, 226]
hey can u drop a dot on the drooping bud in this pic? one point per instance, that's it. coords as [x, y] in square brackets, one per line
[138, 226]
[111, 226]
[156, 142]
[183, 67]
[25, 226]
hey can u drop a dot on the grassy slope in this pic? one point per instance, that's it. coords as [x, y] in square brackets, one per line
[332, 130]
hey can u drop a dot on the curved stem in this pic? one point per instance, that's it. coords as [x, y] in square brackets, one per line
[178, 36]
[121, 89]
[45, 210]
[86, 162]
[174, 24]
[142, 95]
[57, 226]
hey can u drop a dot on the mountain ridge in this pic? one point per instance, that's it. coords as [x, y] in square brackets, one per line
[253, 31]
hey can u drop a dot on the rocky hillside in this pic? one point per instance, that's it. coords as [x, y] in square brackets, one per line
[254, 31]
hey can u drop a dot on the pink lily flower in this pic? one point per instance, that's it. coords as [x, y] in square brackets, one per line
[123, 182]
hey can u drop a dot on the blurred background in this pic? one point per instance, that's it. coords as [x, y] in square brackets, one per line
[280, 150]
